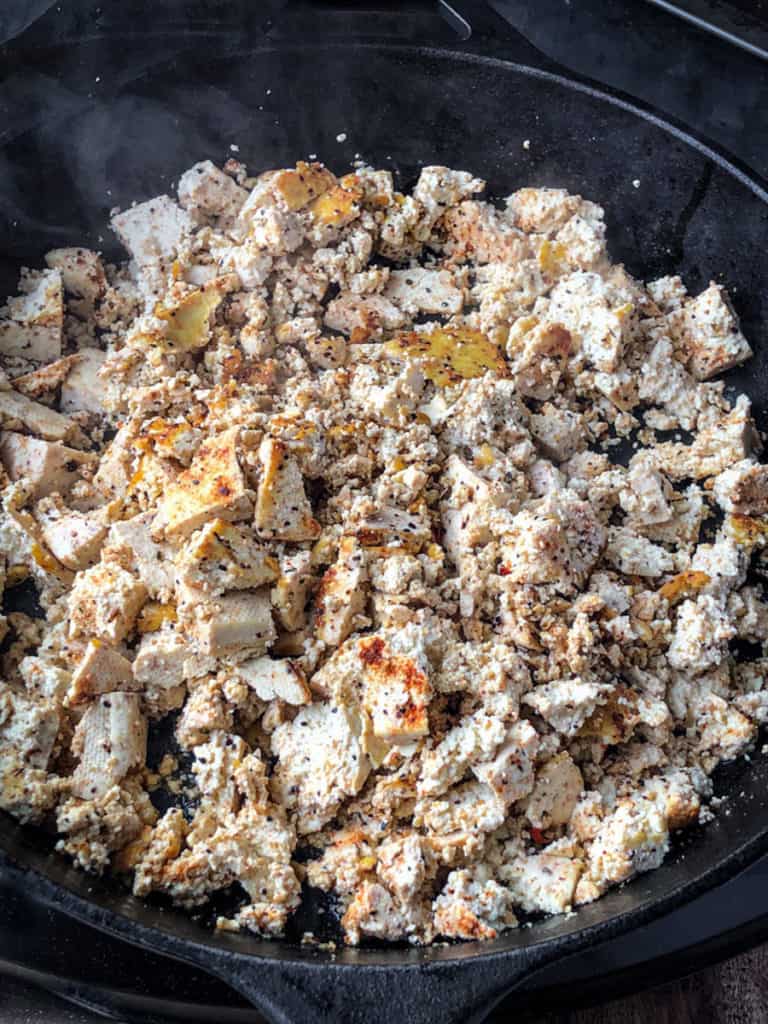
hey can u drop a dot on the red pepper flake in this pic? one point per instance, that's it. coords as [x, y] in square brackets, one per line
[538, 837]
[504, 570]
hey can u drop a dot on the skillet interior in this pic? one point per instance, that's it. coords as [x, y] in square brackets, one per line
[399, 107]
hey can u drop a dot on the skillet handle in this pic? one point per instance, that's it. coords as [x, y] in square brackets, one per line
[451, 991]
[455, 24]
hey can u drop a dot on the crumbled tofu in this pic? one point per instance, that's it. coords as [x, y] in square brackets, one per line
[153, 233]
[558, 541]
[743, 488]
[73, 538]
[82, 274]
[558, 786]
[635, 555]
[566, 704]
[701, 635]
[472, 905]
[435, 609]
[130, 545]
[423, 291]
[291, 590]
[558, 432]
[397, 692]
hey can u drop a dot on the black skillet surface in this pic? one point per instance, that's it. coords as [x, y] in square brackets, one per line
[68, 138]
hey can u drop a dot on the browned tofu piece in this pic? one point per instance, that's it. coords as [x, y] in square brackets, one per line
[111, 741]
[45, 379]
[101, 669]
[48, 467]
[222, 557]
[213, 486]
[282, 508]
[397, 692]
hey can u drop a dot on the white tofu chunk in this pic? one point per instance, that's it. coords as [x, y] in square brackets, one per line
[160, 660]
[645, 496]
[478, 232]
[290, 592]
[82, 273]
[701, 635]
[283, 511]
[104, 602]
[27, 727]
[597, 312]
[543, 883]
[636, 555]
[424, 291]
[44, 679]
[207, 192]
[542, 210]
[153, 232]
[111, 741]
[743, 488]
[233, 623]
[567, 703]
[320, 763]
[559, 433]
[213, 486]
[397, 691]
[472, 905]
[272, 679]
[102, 669]
[707, 330]
[18, 410]
[341, 597]
[83, 390]
[130, 544]
[32, 324]
[559, 784]
[510, 773]
[73, 538]
[363, 317]
[48, 467]
[556, 540]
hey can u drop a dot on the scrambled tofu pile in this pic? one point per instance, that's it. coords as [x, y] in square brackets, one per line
[330, 475]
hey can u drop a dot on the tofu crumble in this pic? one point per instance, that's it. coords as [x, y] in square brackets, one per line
[399, 507]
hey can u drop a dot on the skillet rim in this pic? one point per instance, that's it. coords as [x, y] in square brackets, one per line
[211, 944]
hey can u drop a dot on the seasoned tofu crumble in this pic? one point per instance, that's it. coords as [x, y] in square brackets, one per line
[368, 501]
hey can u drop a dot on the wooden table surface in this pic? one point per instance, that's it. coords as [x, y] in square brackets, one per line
[734, 992]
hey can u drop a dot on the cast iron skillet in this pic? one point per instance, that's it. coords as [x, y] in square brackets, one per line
[124, 100]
